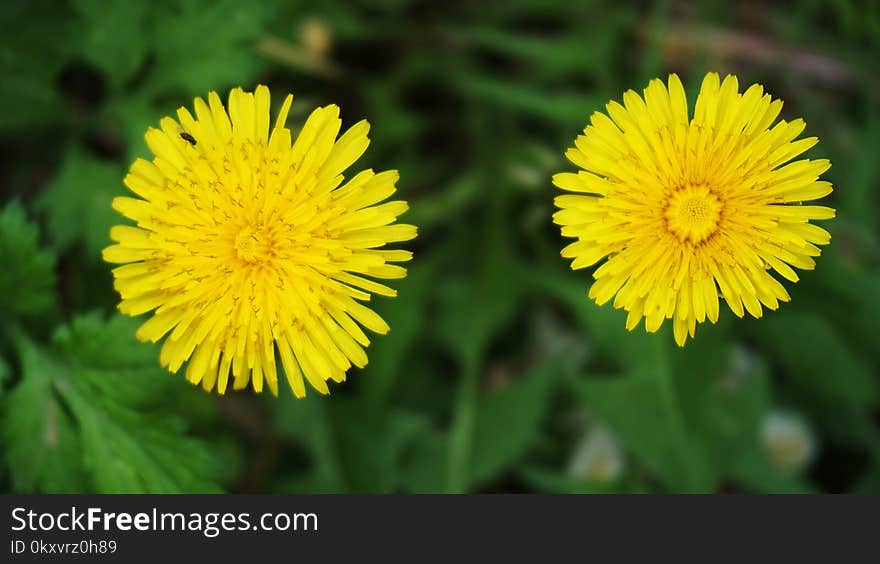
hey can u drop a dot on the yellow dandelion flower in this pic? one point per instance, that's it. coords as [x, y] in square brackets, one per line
[681, 208]
[249, 244]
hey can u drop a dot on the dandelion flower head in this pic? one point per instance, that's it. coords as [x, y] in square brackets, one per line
[679, 210]
[250, 245]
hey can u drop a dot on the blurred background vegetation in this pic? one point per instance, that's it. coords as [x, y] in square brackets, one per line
[499, 375]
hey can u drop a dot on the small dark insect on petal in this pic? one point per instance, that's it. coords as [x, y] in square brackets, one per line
[188, 138]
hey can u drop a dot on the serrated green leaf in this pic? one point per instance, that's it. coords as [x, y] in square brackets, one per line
[114, 36]
[42, 447]
[113, 363]
[128, 453]
[27, 277]
[117, 425]
[203, 45]
[77, 203]
[93, 341]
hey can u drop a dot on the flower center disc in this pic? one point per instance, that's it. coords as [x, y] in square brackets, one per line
[250, 247]
[693, 214]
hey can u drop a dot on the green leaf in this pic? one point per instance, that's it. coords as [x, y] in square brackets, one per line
[605, 326]
[41, 444]
[4, 374]
[77, 203]
[508, 422]
[643, 411]
[134, 114]
[435, 208]
[405, 315]
[858, 202]
[27, 277]
[870, 481]
[494, 289]
[424, 469]
[115, 416]
[819, 365]
[371, 443]
[37, 41]
[202, 45]
[841, 285]
[557, 54]
[723, 394]
[110, 361]
[354, 447]
[752, 471]
[114, 36]
[126, 452]
[564, 107]
[306, 422]
[551, 481]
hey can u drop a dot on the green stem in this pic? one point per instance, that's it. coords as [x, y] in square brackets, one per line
[693, 472]
[462, 432]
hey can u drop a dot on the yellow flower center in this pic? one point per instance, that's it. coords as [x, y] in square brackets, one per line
[251, 245]
[693, 213]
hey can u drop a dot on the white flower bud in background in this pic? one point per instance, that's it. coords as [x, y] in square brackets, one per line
[316, 37]
[597, 456]
[742, 368]
[788, 440]
[554, 339]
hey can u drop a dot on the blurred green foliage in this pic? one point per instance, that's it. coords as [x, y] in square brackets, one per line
[497, 366]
